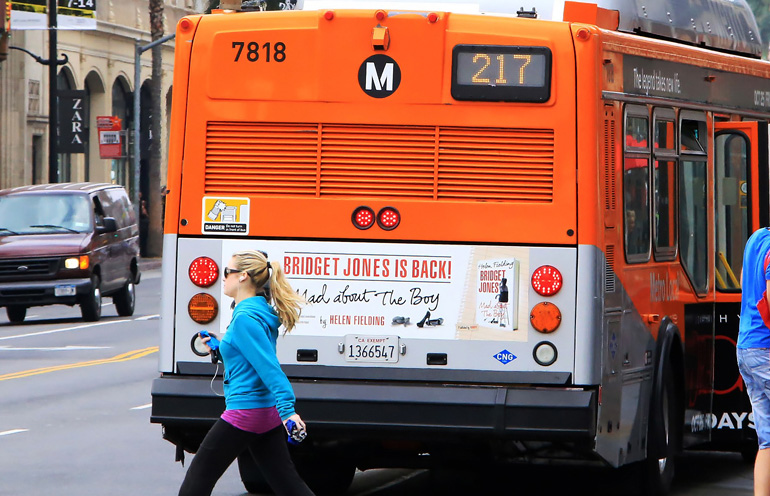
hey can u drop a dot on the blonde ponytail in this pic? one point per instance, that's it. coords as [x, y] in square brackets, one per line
[286, 301]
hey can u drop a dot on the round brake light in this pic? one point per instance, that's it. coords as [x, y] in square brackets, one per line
[546, 280]
[388, 218]
[203, 272]
[363, 217]
[203, 308]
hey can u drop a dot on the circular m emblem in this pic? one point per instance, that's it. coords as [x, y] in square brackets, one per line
[379, 76]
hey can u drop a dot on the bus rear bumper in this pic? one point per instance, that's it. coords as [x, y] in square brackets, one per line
[336, 409]
[487, 411]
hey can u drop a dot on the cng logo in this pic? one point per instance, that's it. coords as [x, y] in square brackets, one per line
[504, 357]
[379, 76]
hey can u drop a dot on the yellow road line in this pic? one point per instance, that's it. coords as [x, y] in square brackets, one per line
[123, 357]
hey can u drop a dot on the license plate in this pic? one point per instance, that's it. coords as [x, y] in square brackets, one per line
[371, 348]
[64, 291]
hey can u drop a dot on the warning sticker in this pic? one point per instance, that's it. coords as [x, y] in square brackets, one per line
[223, 215]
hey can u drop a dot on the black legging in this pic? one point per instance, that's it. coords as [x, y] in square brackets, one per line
[224, 443]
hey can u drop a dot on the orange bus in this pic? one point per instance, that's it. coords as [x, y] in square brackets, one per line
[519, 232]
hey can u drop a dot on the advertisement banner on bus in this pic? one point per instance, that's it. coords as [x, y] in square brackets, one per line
[420, 291]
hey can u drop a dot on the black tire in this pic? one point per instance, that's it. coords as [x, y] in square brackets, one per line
[657, 470]
[16, 313]
[125, 300]
[91, 304]
[749, 452]
[327, 474]
[251, 475]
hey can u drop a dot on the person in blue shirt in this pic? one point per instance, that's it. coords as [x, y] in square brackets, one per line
[259, 398]
[753, 347]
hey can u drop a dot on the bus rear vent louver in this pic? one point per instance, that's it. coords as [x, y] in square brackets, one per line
[429, 162]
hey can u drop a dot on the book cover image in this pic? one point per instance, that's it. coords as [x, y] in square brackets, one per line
[496, 290]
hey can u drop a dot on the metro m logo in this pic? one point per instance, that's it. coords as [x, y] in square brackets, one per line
[379, 80]
[379, 76]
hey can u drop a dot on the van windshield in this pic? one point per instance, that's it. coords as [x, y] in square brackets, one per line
[44, 214]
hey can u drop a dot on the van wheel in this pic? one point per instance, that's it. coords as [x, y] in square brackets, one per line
[16, 313]
[91, 306]
[125, 300]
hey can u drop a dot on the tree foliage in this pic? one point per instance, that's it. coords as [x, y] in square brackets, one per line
[761, 10]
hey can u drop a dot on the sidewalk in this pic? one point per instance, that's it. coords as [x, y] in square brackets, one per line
[146, 264]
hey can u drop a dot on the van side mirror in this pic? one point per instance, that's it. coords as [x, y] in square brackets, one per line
[108, 225]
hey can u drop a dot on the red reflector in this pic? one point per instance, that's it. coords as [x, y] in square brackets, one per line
[388, 218]
[546, 280]
[363, 217]
[203, 272]
[432, 17]
[380, 15]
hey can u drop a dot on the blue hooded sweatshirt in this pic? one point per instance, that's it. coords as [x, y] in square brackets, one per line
[253, 375]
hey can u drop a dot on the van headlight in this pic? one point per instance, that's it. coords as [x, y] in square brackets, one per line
[81, 262]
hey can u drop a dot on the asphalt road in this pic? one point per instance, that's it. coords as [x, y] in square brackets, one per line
[74, 420]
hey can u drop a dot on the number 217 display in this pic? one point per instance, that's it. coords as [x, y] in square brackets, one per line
[501, 73]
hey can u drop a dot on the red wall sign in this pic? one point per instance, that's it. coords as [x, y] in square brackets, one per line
[110, 136]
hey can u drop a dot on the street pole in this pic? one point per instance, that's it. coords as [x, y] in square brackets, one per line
[138, 51]
[53, 104]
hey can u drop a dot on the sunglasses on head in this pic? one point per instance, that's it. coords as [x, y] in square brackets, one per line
[229, 271]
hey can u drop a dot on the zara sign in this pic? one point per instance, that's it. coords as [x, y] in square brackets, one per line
[73, 121]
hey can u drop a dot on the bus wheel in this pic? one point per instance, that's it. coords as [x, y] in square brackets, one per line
[749, 452]
[325, 473]
[658, 468]
[16, 313]
[251, 475]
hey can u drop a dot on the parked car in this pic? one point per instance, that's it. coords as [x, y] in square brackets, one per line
[68, 243]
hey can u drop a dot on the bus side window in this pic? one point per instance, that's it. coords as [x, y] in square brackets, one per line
[693, 199]
[664, 184]
[731, 207]
[636, 173]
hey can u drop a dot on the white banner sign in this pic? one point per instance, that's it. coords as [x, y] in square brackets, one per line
[71, 14]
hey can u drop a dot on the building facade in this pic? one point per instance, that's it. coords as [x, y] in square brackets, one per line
[101, 63]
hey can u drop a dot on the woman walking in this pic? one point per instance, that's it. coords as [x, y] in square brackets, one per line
[259, 398]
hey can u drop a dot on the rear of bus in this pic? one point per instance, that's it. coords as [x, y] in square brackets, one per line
[414, 173]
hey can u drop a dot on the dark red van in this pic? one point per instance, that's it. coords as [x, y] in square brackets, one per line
[70, 244]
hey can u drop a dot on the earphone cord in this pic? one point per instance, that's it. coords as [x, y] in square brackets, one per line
[211, 384]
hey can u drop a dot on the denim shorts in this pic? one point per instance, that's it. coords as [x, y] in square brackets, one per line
[754, 364]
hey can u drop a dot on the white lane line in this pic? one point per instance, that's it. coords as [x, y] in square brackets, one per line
[55, 348]
[142, 407]
[66, 329]
[12, 431]
[148, 317]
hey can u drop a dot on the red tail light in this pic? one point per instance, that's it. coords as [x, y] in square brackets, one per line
[388, 218]
[546, 280]
[363, 217]
[203, 272]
